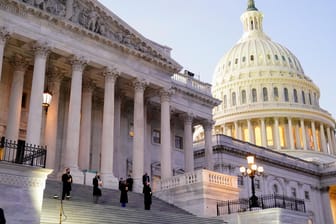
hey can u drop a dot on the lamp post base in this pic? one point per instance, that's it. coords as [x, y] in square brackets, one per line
[254, 201]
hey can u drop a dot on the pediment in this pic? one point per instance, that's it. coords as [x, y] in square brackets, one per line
[101, 24]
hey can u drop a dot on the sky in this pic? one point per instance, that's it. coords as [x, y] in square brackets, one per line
[200, 32]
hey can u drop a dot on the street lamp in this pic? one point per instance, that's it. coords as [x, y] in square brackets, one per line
[252, 170]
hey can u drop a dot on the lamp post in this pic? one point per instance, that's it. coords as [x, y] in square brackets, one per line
[46, 99]
[252, 170]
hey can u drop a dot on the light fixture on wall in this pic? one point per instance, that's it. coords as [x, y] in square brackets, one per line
[46, 99]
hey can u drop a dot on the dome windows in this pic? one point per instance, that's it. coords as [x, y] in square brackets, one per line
[254, 95]
[276, 93]
[251, 57]
[295, 96]
[234, 101]
[276, 57]
[303, 98]
[265, 94]
[236, 61]
[268, 57]
[243, 96]
[286, 97]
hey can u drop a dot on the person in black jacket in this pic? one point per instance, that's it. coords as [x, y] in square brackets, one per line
[147, 191]
[123, 193]
[129, 182]
[2, 217]
[67, 181]
[145, 179]
[97, 185]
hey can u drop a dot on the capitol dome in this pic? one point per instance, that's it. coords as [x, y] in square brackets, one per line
[267, 99]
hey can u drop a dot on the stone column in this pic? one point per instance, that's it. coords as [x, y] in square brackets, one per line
[250, 131]
[36, 96]
[331, 151]
[15, 100]
[297, 136]
[290, 132]
[118, 158]
[139, 137]
[51, 125]
[323, 139]
[107, 151]
[188, 144]
[303, 129]
[4, 35]
[314, 136]
[327, 212]
[276, 133]
[85, 127]
[333, 141]
[207, 126]
[166, 169]
[263, 133]
[236, 129]
[73, 126]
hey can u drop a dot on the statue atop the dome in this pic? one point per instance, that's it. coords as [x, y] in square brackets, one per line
[251, 6]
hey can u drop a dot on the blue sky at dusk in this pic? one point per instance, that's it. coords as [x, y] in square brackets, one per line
[200, 32]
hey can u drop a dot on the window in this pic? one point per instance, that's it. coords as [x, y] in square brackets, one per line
[310, 99]
[303, 98]
[295, 96]
[24, 100]
[265, 94]
[240, 180]
[283, 58]
[286, 94]
[293, 192]
[236, 61]
[276, 57]
[244, 59]
[254, 95]
[257, 184]
[156, 136]
[252, 58]
[307, 196]
[268, 56]
[234, 102]
[275, 189]
[243, 96]
[178, 142]
[276, 93]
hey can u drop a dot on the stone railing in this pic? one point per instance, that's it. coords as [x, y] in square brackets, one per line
[199, 176]
[190, 82]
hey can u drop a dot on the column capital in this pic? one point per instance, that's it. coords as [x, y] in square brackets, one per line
[41, 49]
[165, 94]
[111, 73]
[88, 84]
[188, 118]
[19, 63]
[140, 85]
[4, 35]
[207, 124]
[78, 63]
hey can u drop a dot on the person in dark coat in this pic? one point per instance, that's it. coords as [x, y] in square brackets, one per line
[97, 185]
[147, 191]
[67, 181]
[145, 179]
[2, 217]
[129, 182]
[123, 193]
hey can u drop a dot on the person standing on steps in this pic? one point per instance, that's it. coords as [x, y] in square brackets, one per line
[129, 182]
[67, 181]
[147, 191]
[123, 193]
[97, 185]
[145, 179]
[2, 216]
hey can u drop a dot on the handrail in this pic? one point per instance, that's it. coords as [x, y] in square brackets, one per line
[23, 153]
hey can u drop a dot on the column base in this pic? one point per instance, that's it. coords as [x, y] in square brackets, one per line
[110, 181]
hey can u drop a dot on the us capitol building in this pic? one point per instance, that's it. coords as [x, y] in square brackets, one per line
[121, 105]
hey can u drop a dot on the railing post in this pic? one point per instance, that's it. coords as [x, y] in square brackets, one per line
[283, 201]
[20, 151]
[274, 195]
[229, 210]
[262, 202]
[217, 209]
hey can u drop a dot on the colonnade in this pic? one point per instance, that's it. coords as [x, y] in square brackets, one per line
[283, 133]
[75, 154]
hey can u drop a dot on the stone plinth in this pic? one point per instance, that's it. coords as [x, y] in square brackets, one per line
[22, 190]
[199, 191]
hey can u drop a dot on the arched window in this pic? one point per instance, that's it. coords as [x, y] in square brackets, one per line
[252, 57]
[310, 99]
[243, 96]
[276, 93]
[295, 96]
[286, 94]
[234, 102]
[225, 102]
[275, 189]
[265, 94]
[303, 97]
[254, 95]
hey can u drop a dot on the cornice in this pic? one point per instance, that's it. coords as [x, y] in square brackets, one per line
[108, 29]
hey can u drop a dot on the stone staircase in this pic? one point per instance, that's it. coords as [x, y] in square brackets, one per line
[80, 209]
